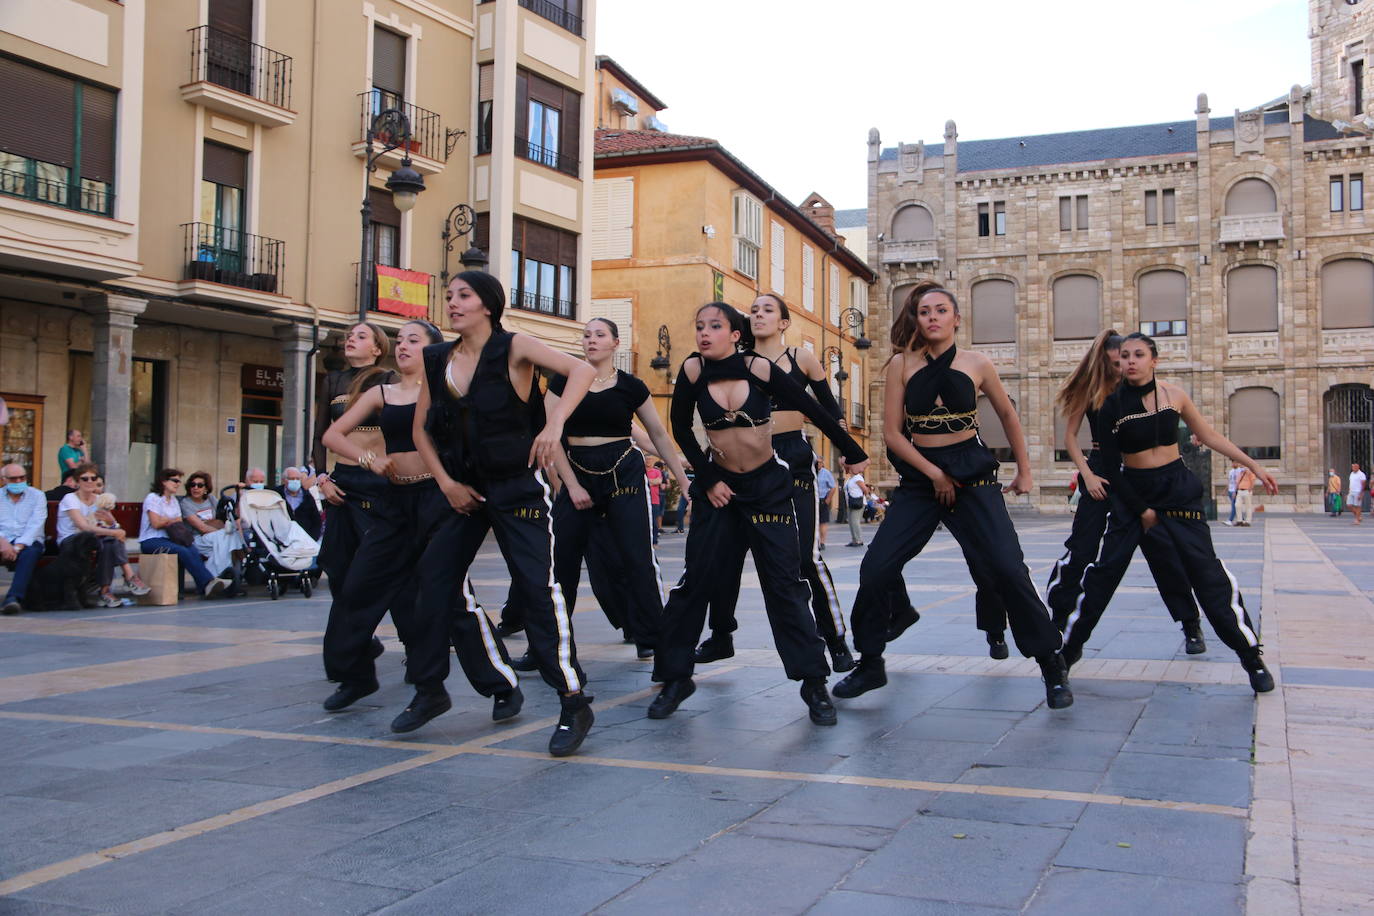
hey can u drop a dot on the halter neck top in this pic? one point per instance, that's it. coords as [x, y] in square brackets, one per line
[940, 399]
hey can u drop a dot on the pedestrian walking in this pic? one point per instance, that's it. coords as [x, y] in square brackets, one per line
[1232, 491]
[1355, 496]
[856, 491]
[1333, 492]
[1245, 503]
[825, 498]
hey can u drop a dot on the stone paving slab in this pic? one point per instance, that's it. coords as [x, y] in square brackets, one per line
[198, 738]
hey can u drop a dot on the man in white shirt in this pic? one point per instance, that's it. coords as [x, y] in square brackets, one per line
[1358, 480]
[1232, 479]
[855, 489]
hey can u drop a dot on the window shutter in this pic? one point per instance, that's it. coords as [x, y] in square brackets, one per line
[486, 81]
[858, 294]
[39, 119]
[1168, 206]
[1163, 296]
[232, 16]
[1252, 299]
[834, 295]
[389, 61]
[1254, 418]
[1348, 294]
[856, 389]
[1151, 208]
[1077, 308]
[612, 223]
[913, 223]
[1082, 212]
[383, 207]
[570, 127]
[1251, 195]
[228, 166]
[1065, 214]
[97, 133]
[994, 311]
[808, 278]
[777, 253]
[621, 311]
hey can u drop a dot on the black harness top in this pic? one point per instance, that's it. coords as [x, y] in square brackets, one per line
[793, 371]
[398, 426]
[607, 412]
[940, 399]
[337, 384]
[1125, 427]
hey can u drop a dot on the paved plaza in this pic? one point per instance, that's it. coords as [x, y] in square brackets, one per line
[177, 760]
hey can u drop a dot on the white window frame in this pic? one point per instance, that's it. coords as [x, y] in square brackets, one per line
[835, 303]
[808, 278]
[746, 233]
[777, 259]
[858, 295]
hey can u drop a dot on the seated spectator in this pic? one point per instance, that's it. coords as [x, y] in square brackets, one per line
[161, 511]
[104, 517]
[68, 485]
[76, 512]
[220, 545]
[23, 513]
[299, 502]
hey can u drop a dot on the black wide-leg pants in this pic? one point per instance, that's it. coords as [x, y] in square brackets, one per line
[405, 525]
[796, 452]
[619, 522]
[978, 520]
[759, 518]
[1175, 493]
[1082, 547]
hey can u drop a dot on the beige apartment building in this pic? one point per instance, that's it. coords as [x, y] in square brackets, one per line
[679, 221]
[181, 189]
[1239, 241]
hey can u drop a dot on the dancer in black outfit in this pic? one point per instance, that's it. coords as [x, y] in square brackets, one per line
[351, 491]
[1095, 377]
[930, 422]
[742, 501]
[604, 491]
[408, 513]
[1138, 427]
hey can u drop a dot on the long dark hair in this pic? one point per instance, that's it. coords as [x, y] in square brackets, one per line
[738, 322]
[433, 333]
[1092, 379]
[490, 291]
[162, 476]
[783, 310]
[906, 330]
[1149, 342]
[615, 331]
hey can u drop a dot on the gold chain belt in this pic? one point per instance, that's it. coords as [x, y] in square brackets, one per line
[412, 478]
[610, 470]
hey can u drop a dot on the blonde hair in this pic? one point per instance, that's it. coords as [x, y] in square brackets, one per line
[1092, 379]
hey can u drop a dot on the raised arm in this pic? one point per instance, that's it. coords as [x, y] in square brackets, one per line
[336, 436]
[1214, 440]
[815, 380]
[680, 416]
[791, 396]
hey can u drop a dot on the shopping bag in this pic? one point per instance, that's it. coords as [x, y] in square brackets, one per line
[160, 573]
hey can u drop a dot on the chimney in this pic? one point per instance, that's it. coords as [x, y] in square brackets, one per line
[819, 210]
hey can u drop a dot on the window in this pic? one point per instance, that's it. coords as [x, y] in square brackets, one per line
[388, 69]
[1082, 207]
[1337, 194]
[1163, 298]
[777, 258]
[984, 226]
[1347, 191]
[1151, 208]
[1073, 213]
[1348, 294]
[1357, 87]
[808, 278]
[147, 421]
[548, 123]
[57, 139]
[999, 218]
[486, 75]
[544, 269]
[992, 219]
[1066, 214]
[228, 44]
[1251, 195]
[858, 295]
[565, 13]
[747, 232]
[1356, 192]
[991, 432]
[1252, 299]
[1077, 307]
[1254, 420]
[856, 395]
[1167, 197]
[386, 228]
[993, 304]
[913, 223]
[613, 213]
[223, 183]
[835, 303]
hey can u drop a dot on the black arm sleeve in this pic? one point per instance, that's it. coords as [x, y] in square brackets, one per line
[826, 397]
[1109, 453]
[680, 416]
[792, 396]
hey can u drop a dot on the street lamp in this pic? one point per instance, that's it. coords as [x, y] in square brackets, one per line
[852, 319]
[461, 220]
[834, 356]
[665, 348]
[392, 129]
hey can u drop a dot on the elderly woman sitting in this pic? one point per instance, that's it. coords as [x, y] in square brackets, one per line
[216, 541]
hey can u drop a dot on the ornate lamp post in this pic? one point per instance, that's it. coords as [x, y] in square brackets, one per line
[851, 319]
[665, 348]
[461, 221]
[392, 129]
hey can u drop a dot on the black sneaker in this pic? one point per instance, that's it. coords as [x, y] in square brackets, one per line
[840, 657]
[349, 693]
[818, 701]
[869, 674]
[1055, 673]
[11, 608]
[714, 648]
[1261, 681]
[997, 646]
[525, 662]
[506, 704]
[422, 708]
[901, 621]
[573, 724]
[1193, 643]
[505, 630]
[670, 697]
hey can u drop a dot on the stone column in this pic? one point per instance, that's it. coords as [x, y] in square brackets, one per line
[295, 350]
[111, 376]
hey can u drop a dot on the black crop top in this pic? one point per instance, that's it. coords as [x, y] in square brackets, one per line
[818, 386]
[607, 412]
[689, 396]
[336, 386]
[1125, 427]
[940, 399]
[398, 424]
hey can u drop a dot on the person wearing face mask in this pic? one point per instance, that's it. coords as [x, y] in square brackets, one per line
[300, 503]
[23, 513]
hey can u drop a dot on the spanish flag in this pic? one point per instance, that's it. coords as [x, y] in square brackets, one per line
[402, 292]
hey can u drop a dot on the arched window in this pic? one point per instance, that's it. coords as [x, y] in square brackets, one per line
[990, 430]
[1085, 437]
[1252, 299]
[1254, 422]
[1077, 307]
[913, 223]
[993, 303]
[1348, 294]
[1251, 195]
[1163, 297]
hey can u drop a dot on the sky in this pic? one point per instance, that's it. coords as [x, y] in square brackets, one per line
[791, 87]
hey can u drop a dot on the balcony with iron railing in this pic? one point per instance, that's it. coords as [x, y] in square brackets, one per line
[526, 148]
[427, 146]
[234, 76]
[856, 419]
[556, 13]
[547, 305]
[48, 183]
[231, 257]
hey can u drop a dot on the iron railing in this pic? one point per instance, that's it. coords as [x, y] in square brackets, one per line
[434, 297]
[528, 149]
[426, 131]
[555, 13]
[86, 194]
[563, 308]
[233, 257]
[857, 418]
[236, 63]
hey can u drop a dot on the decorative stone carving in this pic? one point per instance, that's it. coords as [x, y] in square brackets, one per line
[1348, 341]
[1251, 227]
[911, 161]
[1172, 349]
[1070, 351]
[1264, 345]
[1003, 355]
[1249, 132]
[921, 251]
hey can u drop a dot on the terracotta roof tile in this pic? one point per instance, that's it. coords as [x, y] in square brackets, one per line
[634, 141]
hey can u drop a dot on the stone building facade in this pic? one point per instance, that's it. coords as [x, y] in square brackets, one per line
[1240, 242]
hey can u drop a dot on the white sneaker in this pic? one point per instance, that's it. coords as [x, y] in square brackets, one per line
[213, 588]
[109, 601]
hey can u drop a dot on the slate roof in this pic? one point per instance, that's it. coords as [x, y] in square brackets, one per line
[851, 219]
[1169, 138]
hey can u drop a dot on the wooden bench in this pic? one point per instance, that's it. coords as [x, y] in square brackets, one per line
[128, 515]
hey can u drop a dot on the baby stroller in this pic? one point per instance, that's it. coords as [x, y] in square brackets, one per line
[278, 550]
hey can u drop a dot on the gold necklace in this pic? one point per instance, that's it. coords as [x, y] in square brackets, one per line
[607, 378]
